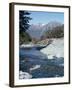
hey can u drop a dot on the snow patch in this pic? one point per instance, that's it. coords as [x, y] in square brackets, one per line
[56, 48]
[24, 75]
[50, 57]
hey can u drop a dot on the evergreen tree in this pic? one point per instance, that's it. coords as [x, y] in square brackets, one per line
[24, 25]
[24, 20]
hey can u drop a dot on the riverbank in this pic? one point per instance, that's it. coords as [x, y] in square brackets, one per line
[55, 49]
[45, 63]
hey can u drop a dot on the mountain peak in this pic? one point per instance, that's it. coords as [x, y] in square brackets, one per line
[37, 30]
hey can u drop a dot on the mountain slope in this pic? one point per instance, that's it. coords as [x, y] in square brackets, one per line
[36, 31]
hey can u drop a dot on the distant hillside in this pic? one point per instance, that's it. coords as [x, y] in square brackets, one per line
[36, 31]
[57, 32]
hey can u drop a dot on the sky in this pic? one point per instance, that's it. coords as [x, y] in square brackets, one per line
[46, 17]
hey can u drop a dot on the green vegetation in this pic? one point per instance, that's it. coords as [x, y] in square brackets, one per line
[23, 26]
[24, 38]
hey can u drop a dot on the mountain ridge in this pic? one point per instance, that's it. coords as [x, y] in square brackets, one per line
[37, 30]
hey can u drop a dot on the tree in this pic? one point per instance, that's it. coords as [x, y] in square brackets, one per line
[24, 20]
[56, 32]
[24, 25]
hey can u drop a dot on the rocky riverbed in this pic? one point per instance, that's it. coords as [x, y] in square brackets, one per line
[46, 63]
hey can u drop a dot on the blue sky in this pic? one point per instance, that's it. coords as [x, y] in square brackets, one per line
[46, 17]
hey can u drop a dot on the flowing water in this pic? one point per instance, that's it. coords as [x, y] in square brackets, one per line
[35, 64]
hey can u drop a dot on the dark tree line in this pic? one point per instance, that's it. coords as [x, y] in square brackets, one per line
[23, 26]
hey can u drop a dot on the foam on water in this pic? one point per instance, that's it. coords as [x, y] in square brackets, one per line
[35, 67]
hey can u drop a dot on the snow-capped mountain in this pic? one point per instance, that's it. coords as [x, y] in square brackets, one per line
[37, 30]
